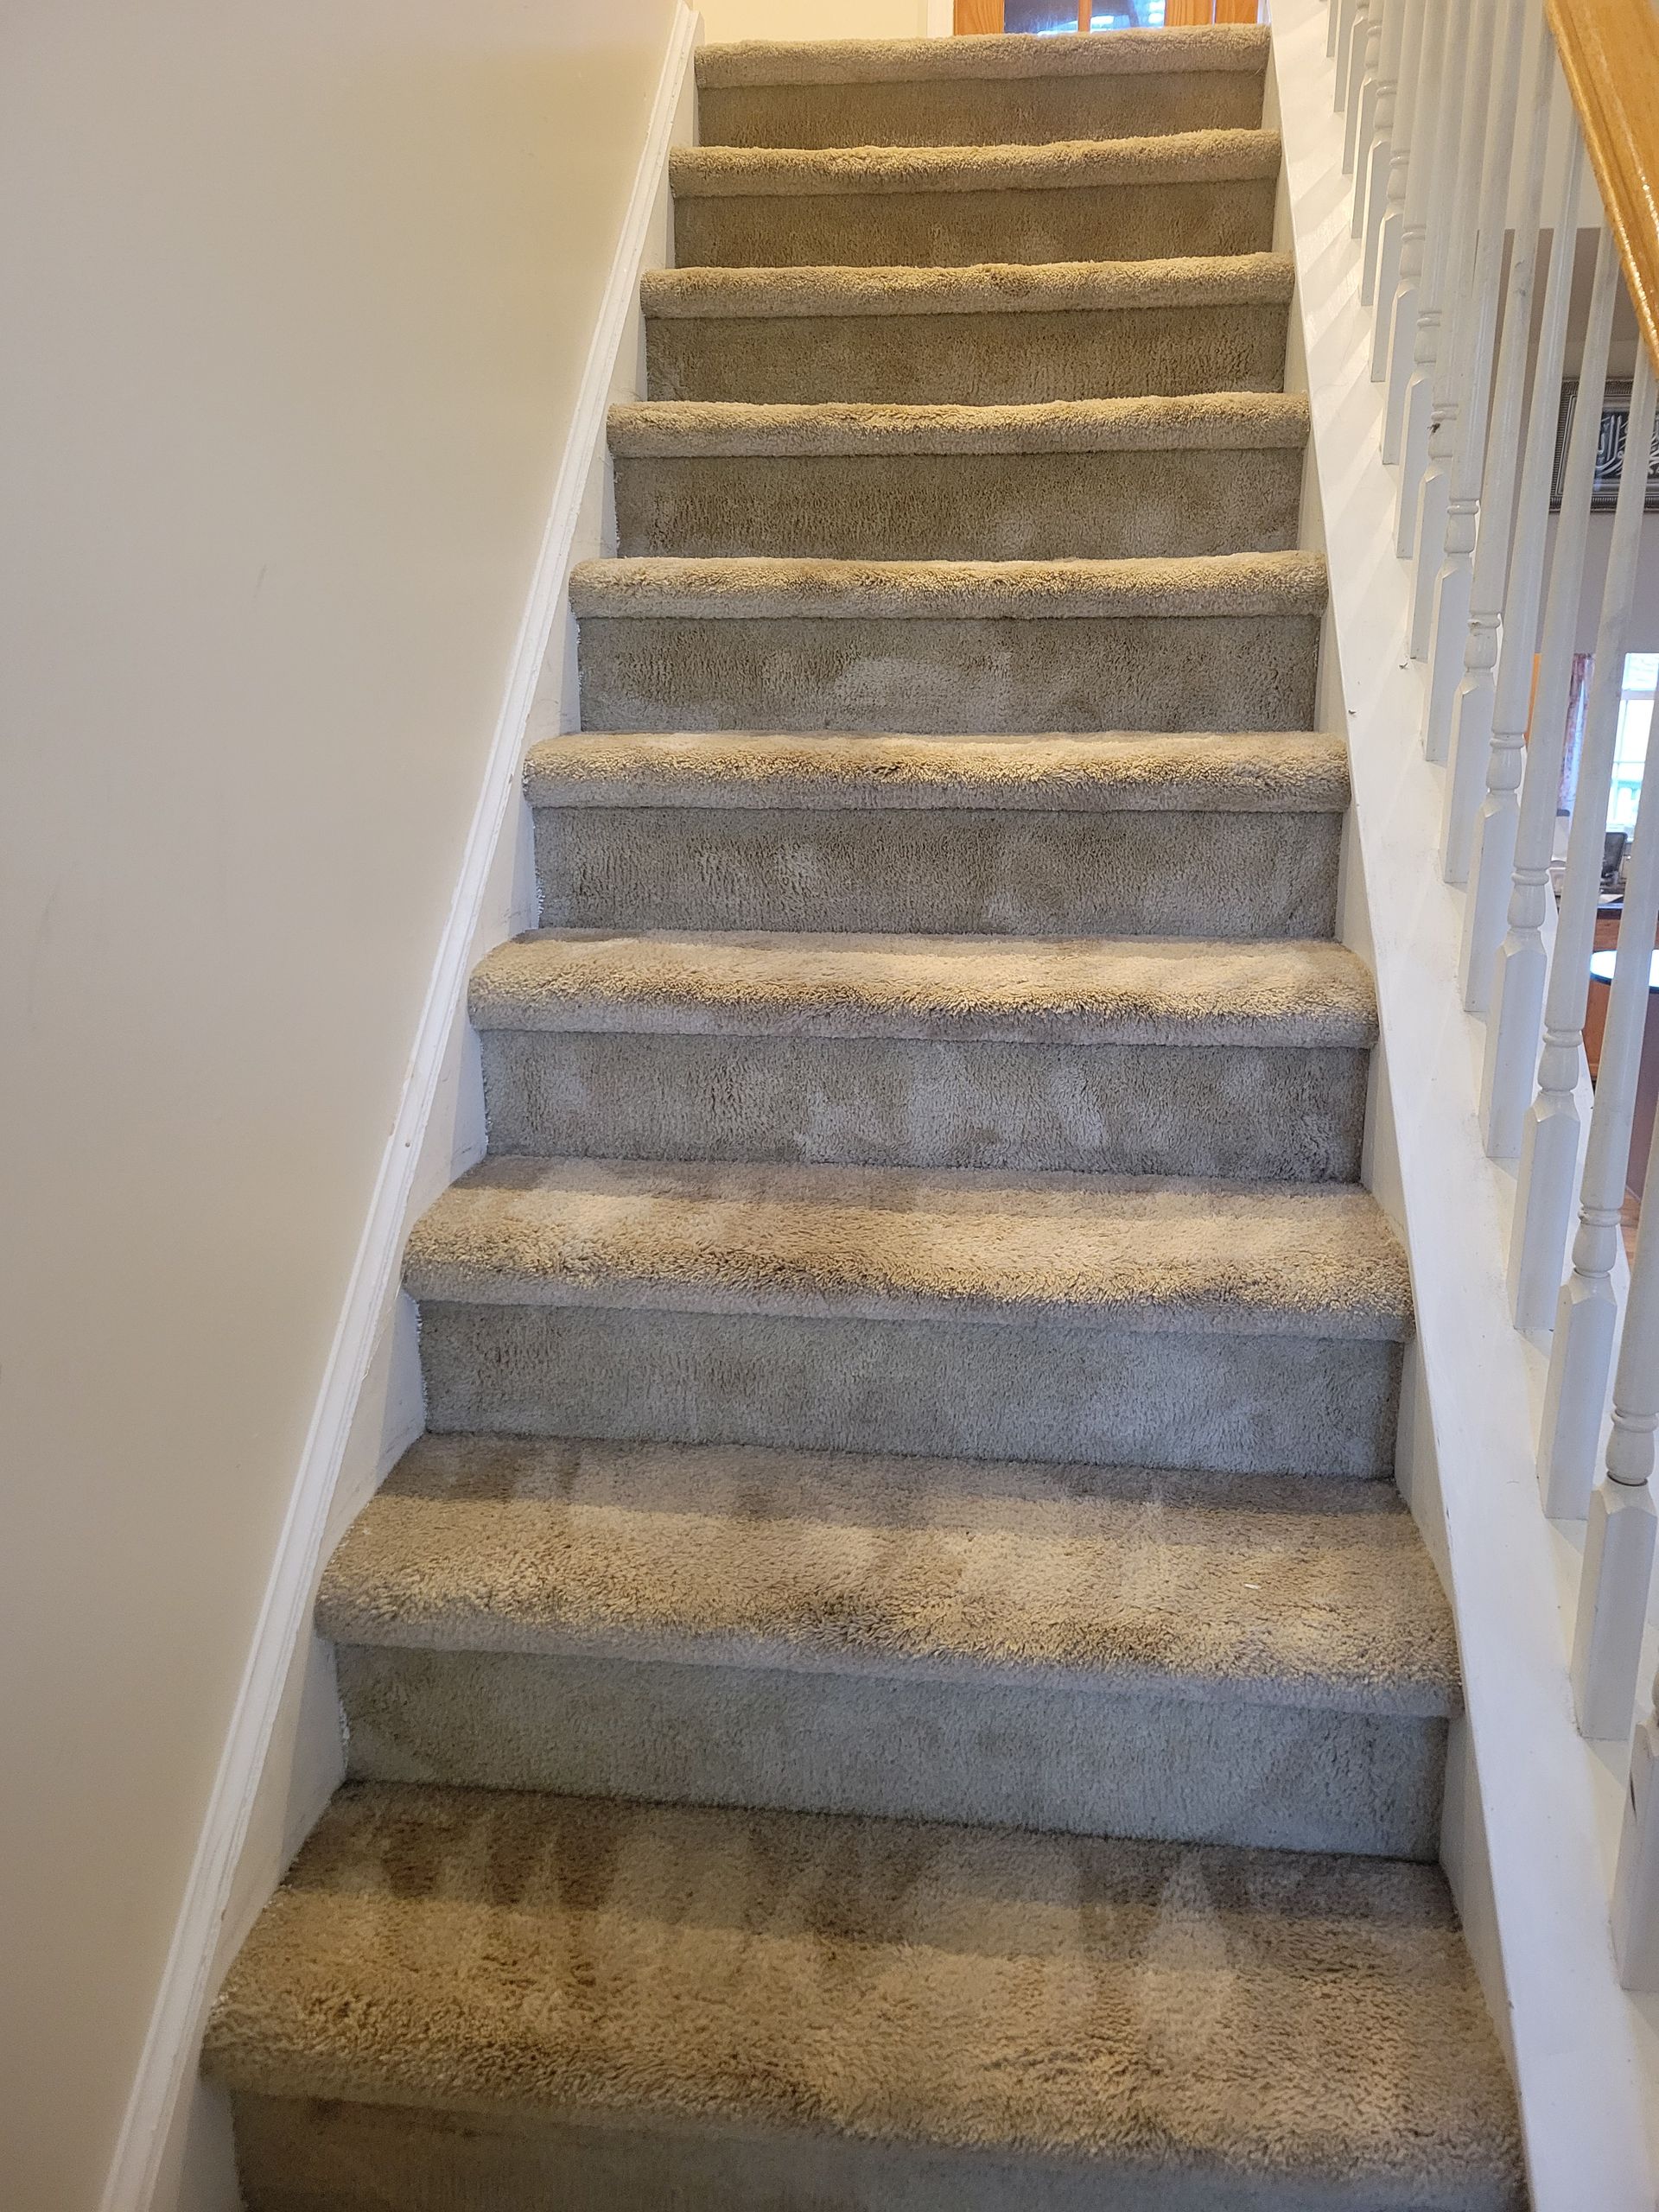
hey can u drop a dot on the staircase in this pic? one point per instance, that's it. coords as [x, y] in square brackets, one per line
[898, 1676]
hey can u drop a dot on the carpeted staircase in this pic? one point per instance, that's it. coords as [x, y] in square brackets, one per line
[898, 1677]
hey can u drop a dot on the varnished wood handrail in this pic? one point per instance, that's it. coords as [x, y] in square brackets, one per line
[1609, 52]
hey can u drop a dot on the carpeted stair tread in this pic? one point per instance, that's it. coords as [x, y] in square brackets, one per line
[1031, 323]
[1312, 1260]
[1208, 2027]
[1241, 48]
[1177, 834]
[1220, 640]
[1245, 772]
[1091, 480]
[1012, 89]
[1132, 1055]
[1286, 1589]
[730, 172]
[1222, 584]
[732, 429]
[1122, 199]
[1098, 991]
[993, 287]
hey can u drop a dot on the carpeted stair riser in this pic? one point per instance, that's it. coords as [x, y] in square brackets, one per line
[982, 95]
[1232, 1404]
[945, 870]
[1293, 1113]
[1028, 506]
[785, 2013]
[1222, 672]
[986, 359]
[319, 2155]
[1169, 1769]
[1138, 201]
[1128, 222]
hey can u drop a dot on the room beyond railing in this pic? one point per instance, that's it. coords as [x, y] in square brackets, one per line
[1477, 133]
[983, 15]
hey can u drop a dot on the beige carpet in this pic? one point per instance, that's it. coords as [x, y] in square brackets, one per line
[1119, 199]
[1086, 480]
[970, 92]
[896, 1679]
[1192, 2027]
[1001, 334]
[1175, 835]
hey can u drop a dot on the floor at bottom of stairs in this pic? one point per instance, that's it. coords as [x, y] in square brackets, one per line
[489, 1999]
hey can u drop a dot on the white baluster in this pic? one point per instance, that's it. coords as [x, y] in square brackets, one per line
[1635, 1879]
[1332, 10]
[1618, 1541]
[1361, 76]
[1587, 1316]
[1549, 1145]
[1344, 40]
[1370, 176]
[1461, 107]
[1364, 124]
[1462, 310]
[1514, 522]
[1385, 206]
[1429, 132]
[1511, 1058]
[1351, 13]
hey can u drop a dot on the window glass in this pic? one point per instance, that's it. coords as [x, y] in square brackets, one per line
[1629, 755]
[1051, 16]
[1630, 742]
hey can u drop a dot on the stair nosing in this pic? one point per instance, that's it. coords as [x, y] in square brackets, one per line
[691, 429]
[385, 1586]
[1156, 772]
[1193, 586]
[1220, 156]
[1002, 288]
[812, 1243]
[845, 985]
[690, 1648]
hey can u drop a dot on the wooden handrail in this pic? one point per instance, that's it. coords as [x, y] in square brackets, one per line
[1609, 52]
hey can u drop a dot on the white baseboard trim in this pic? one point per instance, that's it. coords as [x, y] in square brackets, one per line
[175, 2031]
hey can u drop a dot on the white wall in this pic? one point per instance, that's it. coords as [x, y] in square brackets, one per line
[297, 302]
[730, 19]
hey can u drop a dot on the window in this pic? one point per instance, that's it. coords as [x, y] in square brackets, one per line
[1053, 15]
[1631, 744]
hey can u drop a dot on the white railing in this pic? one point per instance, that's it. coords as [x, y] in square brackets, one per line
[1473, 156]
